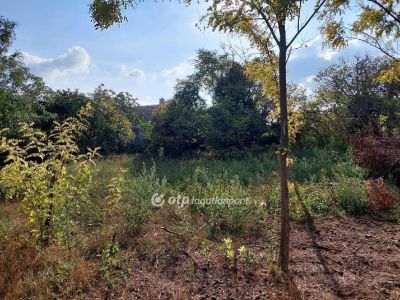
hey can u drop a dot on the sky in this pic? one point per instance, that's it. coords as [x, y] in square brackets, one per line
[144, 56]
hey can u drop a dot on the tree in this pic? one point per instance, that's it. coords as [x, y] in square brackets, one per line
[14, 75]
[237, 119]
[20, 91]
[239, 110]
[109, 126]
[349, 92]
[266, 24]
[61, 105]
[179, 126]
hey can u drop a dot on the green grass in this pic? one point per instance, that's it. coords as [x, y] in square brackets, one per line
[329, 182]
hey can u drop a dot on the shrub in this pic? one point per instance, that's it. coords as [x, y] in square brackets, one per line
[315, 197]
[350, 194]
[379, 194]
[49, 176]
[379, 155]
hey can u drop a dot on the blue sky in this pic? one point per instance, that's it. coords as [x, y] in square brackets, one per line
[144, 56]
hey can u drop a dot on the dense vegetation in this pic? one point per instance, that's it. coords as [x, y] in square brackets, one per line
[79, 171]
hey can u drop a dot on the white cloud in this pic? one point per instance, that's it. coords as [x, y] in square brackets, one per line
[135, 73]
[181, 70]
[316, 40]
[327, 54]
[75, 60]
[355, 43]
[307, 88]
[313, 47]
[309, 79]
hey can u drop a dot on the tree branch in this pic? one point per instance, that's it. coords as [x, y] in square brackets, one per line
[396, 18]
[271, 29]
[306, 23]
[376, 44]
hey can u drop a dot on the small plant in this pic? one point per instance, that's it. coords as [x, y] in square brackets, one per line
[246, 255]
[114, 189]
[205, 247]
[227, 249]
[379, 194]
[110, 261]
[5, 225]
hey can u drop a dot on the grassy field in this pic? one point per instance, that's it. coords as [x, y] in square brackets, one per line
[120, 231]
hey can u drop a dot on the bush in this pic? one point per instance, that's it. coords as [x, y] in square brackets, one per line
[49, 176]
[379, 155]
[379, 194]
[350, 194]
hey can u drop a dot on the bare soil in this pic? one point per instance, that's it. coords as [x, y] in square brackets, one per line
[333, 258]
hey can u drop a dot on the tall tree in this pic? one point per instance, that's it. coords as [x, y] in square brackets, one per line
[266, 23]
[179, 126]
[14, 75]
[20, 91]
[237, 119]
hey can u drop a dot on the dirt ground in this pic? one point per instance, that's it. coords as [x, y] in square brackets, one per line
[332, 259]
[347, 258]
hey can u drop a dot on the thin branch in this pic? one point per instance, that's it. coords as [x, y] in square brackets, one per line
[289, 53]
[306, 23]
[298, 17]
[396, 18]
[376, 44]
[170, 231]
[271, 29]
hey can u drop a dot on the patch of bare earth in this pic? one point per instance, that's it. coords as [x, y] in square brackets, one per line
[346, 259]
[331, 259]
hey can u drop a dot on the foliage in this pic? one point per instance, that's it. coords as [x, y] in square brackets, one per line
[267, 74]
[63, 104]
[20, 91]
[49, 176]
[379, 194]
[379, 155]
[236, 117]
[377, 23]
[109, 127]
[137, 197]
[14, 75]
[110, 259]
[114, 190]
[179, 126]
[348, 90]
[227, 249]
[350, 194]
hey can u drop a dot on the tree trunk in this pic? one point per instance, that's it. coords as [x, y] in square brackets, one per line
[284, 242]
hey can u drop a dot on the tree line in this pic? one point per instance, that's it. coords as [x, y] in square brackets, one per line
[224, 106]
